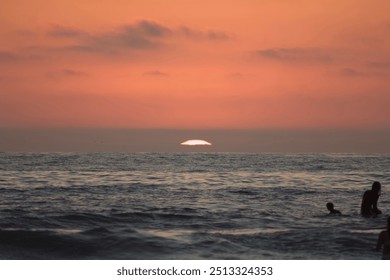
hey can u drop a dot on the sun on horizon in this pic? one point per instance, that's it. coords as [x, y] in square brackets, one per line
[196, 142]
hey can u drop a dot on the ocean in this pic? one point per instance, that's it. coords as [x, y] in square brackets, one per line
[189, 206]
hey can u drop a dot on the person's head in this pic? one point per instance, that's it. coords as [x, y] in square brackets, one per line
[330, 206]
[376, 186]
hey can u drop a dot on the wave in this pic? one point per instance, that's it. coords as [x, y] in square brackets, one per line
[42, 244]
[95, 243]
[244, 192]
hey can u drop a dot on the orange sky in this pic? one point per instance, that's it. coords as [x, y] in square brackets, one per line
[195, 64]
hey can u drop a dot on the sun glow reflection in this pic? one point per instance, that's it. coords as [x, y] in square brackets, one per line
[196, 143]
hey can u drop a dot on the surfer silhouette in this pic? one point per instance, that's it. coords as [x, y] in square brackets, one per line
[331, 209]
[384, 240]
[370, 200]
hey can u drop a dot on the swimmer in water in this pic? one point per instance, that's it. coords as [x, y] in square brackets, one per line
[331, 209]
[370, 200]
[384, 240]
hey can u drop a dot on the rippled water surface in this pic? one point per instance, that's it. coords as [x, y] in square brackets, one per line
[188, 206]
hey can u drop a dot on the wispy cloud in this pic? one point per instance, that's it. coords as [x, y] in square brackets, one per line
[126, 40]
[148, 28]
[155, 73]
[67, 32]
[355, 73]
[141, 35]
[296, 55]
[380, 64]
[351, 72]
[6, 56]
[65, 73]
[203, 35]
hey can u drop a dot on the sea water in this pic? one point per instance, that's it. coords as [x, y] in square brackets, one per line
[189, 205]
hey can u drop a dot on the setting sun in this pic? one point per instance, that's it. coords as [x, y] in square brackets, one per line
[196, 143]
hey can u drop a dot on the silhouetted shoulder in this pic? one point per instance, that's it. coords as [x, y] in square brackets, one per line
[331, 209]
[384, 242]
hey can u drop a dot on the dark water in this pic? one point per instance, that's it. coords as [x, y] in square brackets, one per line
[188, 206]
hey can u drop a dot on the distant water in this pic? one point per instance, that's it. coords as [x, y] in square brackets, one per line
[188, 206]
